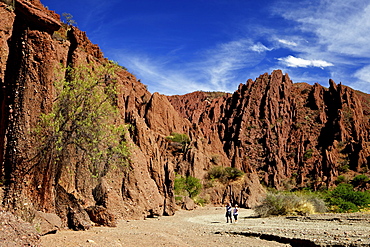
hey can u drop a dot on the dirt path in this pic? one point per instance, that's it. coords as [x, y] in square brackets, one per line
[201, 227]
[207, 227]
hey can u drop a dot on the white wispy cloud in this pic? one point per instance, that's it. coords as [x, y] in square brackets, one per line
[259, 47]
[363, 74]
[363, 82]
[215, 69]
[341, 26]
[222, 62]
[337, 31]
[159, 76]
[287, 42]
[292, 61]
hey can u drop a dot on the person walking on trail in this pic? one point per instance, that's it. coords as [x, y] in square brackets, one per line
[228, 213]
[236, 213]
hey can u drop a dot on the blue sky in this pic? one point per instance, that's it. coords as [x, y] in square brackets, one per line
[181, 46]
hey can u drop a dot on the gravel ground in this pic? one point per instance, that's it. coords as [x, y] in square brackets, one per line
[208, 227]
[15, 232]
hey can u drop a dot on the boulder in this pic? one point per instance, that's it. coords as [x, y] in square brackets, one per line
[72, 214]
[188, 204]
[101, 216]
[47, 223]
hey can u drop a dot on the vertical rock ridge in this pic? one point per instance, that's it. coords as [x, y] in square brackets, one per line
[282, 135]
[290, 134]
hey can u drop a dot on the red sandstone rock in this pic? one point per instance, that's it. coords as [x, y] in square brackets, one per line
[281, 134]
[285, 132]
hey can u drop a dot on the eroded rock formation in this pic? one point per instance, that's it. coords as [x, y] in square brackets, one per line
[33, 44]
[291, 135]
[280, 134]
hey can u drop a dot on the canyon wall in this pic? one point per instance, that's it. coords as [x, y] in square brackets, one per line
[291, 135]
[35, 45]
[280, 134]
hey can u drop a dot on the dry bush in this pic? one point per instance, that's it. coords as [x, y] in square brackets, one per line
[289, 204]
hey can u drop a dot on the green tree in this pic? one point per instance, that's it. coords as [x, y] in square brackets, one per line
[189, 185]
[193, 186]
[82, 125]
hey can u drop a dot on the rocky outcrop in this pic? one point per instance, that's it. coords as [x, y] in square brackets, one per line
[47, 223]
[101, 216]
[33, 44]
[291, 135]
[33, 49]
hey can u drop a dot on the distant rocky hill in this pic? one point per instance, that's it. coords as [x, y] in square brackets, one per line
[291, 135]
[282, 135]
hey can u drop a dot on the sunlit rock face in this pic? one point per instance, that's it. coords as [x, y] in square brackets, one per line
[280, 134]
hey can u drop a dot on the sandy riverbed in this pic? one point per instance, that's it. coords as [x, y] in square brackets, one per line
[208, 227]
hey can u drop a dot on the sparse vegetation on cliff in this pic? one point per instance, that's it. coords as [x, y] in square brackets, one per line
[182, 140]
[224, 174]
[360, 180]
[69, 19]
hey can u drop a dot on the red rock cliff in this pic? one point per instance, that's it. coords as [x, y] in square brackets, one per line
[292, 135]
[33, 44]
[279, 133]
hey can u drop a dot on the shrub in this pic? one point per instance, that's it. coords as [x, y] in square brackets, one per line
[290, 204]
[318, 202]
[304, 91]
[273, 204]
[308, 154]
[233, 173]
[69, 19]
[224, 174]
[344, 166]
[187, 186]
[360, 180]
[344, 199]
[341, 179]
[216, 172]
[340, 205]
[202, 201]
[182, 139]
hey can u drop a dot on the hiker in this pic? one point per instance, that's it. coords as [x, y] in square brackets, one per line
[228, 213]
[236, 213]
